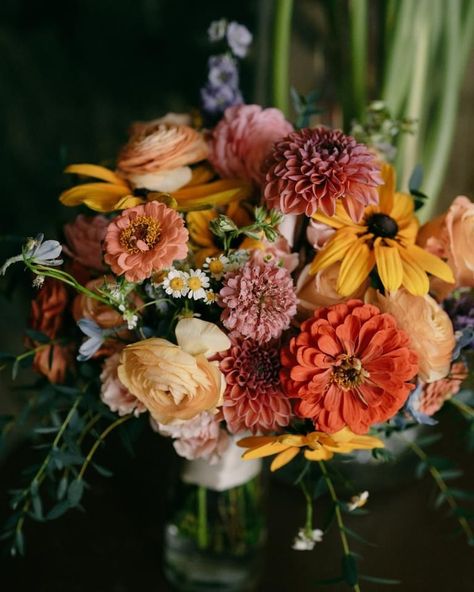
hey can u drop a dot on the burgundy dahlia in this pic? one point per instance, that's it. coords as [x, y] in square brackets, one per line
[253, 399]
[311, 169]
[259, 301]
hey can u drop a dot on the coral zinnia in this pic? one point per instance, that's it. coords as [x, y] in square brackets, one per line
[258, 300]
[313, 169]
[350, 365]
[254, 399]
[385, 238]
[145, 239]
[316, 446]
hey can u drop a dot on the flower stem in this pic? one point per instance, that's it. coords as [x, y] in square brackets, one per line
[358, 37]
[465, 409]
[202, 517]
[281, 53]
[442, 486]
[338, 514]
[99, 441]
[309, 510]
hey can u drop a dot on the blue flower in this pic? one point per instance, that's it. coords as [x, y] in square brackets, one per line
[413, 404]
[95, 339]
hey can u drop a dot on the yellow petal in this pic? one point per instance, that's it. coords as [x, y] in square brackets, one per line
[389, 265]
[334, 250]
[98, 172]
[284, 458]
[321, 454]
[387, 190]
[202, 173]
[341, 218]
[266, 450]
[198, 227]
[213, 194]
[415, 279]
[403, 208]
[431, 263]
[355, 268]
[101, 197]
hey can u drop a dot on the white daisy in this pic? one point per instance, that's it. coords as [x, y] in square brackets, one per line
[217, 266]
[197, 282]
[211, 297]
[175, 283]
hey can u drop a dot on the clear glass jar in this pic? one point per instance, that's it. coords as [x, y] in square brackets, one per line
[215, 532]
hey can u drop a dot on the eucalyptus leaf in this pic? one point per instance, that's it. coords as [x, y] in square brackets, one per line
[349, 569]
[74, 492]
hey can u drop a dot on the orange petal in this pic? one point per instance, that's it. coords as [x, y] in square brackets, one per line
[96, 171]
[321, 454]
[387, 190]
[266, 450]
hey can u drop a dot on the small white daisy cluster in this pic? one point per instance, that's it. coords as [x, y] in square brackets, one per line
[305, 541]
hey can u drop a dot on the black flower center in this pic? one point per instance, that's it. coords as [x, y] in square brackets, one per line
[382, 225]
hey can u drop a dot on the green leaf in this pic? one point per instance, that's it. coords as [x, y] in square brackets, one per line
[462, 494]
[47, 430]
[349, 569]
[58, 510]
[416, 178]
[451, 474]
[62, 488]
[102, 470]
[320, 488]
[426, 441]
[376, 580]
[20, 542]
[37, 336]
[66, 390]
[439, 462]
[37, 507]
[421, 469]
[74, 492]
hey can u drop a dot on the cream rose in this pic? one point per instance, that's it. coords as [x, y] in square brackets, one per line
[176, 382]
[429, 327]
[318, 290]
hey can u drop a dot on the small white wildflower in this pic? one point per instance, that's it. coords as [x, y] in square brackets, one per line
[357, 501]
[38, 281]
[197, 282]
[305, 541]
[217, 266]
[131, 319]
[211, 297]
[239, 39]
[175, 283]
[217, 29]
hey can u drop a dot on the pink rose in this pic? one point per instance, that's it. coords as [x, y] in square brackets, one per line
[84, 239]
[451, 236]
[242, 140]
[113, 393]
[200, 437]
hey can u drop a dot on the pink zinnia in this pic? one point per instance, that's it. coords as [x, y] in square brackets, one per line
[145, 239]
[243, 138]
[259, 301]
[113, 393]
[434, 394]
[253, 399]
[311, 169]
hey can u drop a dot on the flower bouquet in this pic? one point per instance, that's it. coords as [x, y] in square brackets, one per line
[248, 288]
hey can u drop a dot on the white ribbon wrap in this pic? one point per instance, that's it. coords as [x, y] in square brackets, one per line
[230, 471]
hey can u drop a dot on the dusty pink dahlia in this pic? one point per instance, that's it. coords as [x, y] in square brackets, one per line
[145, 239]
[243, 138]
[259, 301]
[311, 169]
[253, 399]
[84, 239]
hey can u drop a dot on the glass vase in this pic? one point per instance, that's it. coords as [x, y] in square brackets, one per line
[215, 531]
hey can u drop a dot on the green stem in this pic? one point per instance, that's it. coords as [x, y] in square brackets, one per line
[442, 486]
[99, 441]
[309, 510]
[465, 409]
[358, 19]
[338, 513]
[281, 53]
[202, 517]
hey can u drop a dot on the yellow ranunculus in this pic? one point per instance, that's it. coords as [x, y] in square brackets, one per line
[176, 382]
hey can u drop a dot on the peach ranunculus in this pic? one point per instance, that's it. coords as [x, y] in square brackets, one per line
[47, 317]
[451, 236]
[176, 382]
[243, 139]
[432, 396]
[318, 290]
[429, 327]
[84, 238]
[158, 155]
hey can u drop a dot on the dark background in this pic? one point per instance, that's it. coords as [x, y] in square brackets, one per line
[73, 75]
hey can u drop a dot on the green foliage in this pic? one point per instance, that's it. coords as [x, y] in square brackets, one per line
[305, 106]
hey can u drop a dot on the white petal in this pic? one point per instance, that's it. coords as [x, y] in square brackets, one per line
[166, 181]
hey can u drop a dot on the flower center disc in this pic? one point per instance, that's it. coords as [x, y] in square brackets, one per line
[349, 373]
[141, 234]
[382, 225]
